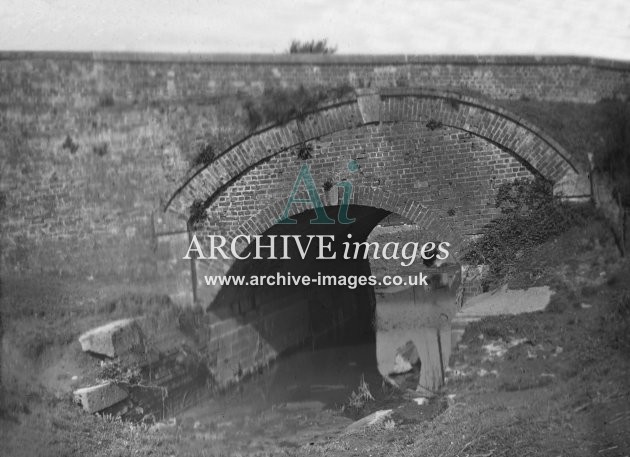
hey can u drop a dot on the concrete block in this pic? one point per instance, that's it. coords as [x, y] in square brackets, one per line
[573, 186]
[115, 339]
[97, 398]
[504, 301]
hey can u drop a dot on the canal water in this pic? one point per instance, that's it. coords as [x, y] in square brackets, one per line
[306, 396]
[301, 398]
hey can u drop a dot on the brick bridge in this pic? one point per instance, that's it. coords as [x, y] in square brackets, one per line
[96, 175]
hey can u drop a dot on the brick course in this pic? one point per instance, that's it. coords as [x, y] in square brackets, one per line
[90, 207]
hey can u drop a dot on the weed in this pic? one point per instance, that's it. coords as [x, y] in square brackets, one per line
[100, 149]
[305, 151]
[197, 213]
[453, 103]
[204, 157]
[278, 105]
[70, 145]
[530, 215]
[361, 397]
[113, 370]
[433, 124]
[106, 100]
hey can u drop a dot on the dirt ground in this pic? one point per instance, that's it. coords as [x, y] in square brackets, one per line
[551, 383]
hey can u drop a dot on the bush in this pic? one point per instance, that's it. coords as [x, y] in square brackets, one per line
[311, 47]
[205, 156]
[279, 105]
[530, 215]
[197, 213]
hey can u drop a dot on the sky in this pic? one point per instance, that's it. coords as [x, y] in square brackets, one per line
[596, 28]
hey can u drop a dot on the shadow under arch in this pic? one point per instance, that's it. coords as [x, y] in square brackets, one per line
[267, 320]
[383, 201]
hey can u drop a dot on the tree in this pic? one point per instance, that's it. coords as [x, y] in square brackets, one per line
[311, 47]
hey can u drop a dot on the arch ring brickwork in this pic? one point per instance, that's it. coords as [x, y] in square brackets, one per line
[529, 144]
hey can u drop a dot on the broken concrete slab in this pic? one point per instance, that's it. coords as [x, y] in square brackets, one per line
[504, 301]
[368, 421]
[498, 302]
[97, 398]
[114, 339]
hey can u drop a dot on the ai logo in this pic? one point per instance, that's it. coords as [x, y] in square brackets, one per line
[306, 179]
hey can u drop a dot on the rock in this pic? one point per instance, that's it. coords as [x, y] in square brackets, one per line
[115, 339]
[97, 398]
[368, 421]
[505, 301]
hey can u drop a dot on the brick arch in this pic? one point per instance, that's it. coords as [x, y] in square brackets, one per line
[529, 144]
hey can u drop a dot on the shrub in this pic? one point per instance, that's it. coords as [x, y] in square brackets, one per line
[358, 399]
[204, 157]
[311, 47]
[279, 105]
[197, 213]
[529, 216]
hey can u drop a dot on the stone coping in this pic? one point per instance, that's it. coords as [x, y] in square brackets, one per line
[322, 59]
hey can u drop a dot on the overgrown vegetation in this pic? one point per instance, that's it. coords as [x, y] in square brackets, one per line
[305, 151]
[275, 106]
[529, 215]
[359, 398]
[204, 157]
[70, 145]
[311, 47]
[278, 105]
[197, 213]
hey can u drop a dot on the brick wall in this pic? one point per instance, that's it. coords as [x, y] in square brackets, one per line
[91, 145]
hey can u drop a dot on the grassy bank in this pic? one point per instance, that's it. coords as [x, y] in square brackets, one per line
[552, 383]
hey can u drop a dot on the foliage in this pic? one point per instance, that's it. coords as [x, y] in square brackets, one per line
[433, 124]
[311, 47]
[100, 149]
[529, 216]
[70, 144]
[114, 371]
[362, 395]
[106, 100]
[278, 105]
[197, 213]
[204, 157]
[305, 151]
